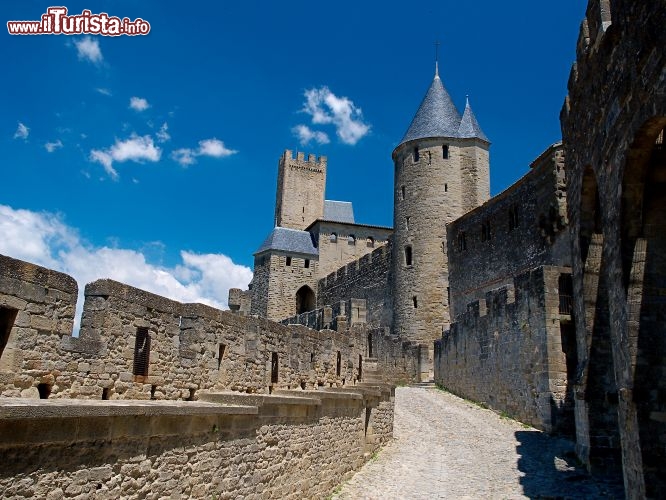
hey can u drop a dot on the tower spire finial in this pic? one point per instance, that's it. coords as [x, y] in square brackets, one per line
[437, 58]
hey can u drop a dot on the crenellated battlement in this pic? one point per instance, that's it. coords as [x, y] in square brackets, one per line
[300, 157]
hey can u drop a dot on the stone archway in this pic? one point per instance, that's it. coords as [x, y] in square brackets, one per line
[305, 300]
[643, 235]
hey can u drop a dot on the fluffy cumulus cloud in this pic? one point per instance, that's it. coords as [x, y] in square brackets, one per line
[87, 49]
[22, 132]
[305, 135]
[138, 149]
[213, 148]
[52, 146]
[43, 238]
[325, 108]
[138, 104]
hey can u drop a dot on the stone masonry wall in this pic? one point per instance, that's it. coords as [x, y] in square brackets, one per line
[524, 228]
[508, 352]
[248, 446]
[367, 278]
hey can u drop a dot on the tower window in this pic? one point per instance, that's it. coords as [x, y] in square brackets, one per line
[462, 241]
[446, 188]
[289, 261]
[416, 154]
[415, 302]
[407, 219]
[408, 256]
[351, 239]
[445, 151]
[485, 231]
[402, 193]
[513, 217]
[333, 238]
[306, 264]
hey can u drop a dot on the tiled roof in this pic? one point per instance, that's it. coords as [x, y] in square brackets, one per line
[339, 211]
[288, 240]
[437, 116]
[469, 127]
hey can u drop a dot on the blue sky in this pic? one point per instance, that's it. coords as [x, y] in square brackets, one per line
[153, 159]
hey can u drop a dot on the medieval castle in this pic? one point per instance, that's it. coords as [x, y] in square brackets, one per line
[545, 302]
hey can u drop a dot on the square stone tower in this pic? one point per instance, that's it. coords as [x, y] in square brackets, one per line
[300, 190]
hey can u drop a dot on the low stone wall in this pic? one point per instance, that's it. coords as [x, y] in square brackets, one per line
[511, 352]
[251, 446]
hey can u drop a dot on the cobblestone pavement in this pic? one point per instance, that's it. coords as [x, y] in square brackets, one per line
[446, 447]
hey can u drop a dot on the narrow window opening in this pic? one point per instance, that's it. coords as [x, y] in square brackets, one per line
[312, 357]
[415, 302]
[220, 355]
[360, 367]
[105, 394]
[402, 192]
[338, 365]
[289, 261]
[367, 419]
[191, 396]
[513, 217]
[446, 188]
[370, 353]
[448, 295]
[303, 384]
[7, 318]
[44, 391]
[343, 381]
[407, 219]
[274, 368]
[141, 352]
[303, 209]
[462, 242]
[565, 285]
[153, 389]
[416, 154]
[408, 256]
[306, 265]
[445, 151]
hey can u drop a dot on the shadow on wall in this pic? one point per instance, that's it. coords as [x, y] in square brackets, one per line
[550, 470]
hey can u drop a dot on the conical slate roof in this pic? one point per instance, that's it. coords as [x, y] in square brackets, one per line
[469, 127]
[436, 117]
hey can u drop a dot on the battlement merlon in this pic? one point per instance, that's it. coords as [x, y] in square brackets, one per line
[320, 161]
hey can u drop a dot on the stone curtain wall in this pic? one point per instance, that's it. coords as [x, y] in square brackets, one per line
[525, 227]
[367, 278]
[611, 121]
[507, 352]
[249, 446]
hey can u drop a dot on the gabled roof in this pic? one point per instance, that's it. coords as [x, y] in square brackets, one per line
[437, 116]
[339, 211]
[288, 240]
[469, 127]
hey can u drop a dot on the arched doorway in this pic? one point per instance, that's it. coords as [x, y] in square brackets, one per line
[305, 300]
[644, 278]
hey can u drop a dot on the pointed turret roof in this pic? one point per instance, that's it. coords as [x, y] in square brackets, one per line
[469, 127]
[437, 116]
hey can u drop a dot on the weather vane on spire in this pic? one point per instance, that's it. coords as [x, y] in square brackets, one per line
[437, 57]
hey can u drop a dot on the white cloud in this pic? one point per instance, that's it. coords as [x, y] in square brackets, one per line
[137, 149]
[138, 104]
[104, 91]
[207, 147]
[22, 131]
[326, 108]
[163, 134]
[184, 156]
[88, 49]
[52, 146]
[215, 148]
[43, 238]
[305, 134]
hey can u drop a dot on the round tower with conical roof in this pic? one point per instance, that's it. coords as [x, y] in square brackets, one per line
[441, 172]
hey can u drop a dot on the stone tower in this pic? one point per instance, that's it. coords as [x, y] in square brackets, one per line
[441, 172]
[300, 190]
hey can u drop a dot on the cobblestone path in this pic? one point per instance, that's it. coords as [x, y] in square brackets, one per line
[446, 447]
